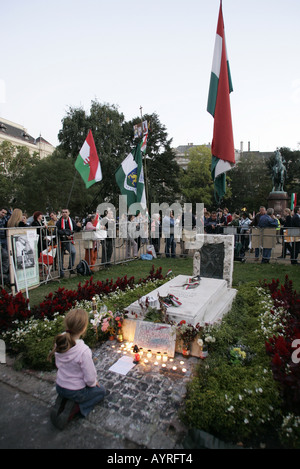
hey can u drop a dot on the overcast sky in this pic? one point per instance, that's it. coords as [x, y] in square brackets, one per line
[157, 55]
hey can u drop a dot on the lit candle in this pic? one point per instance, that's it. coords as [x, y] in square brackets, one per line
[119, 351]
[174, 368]
[158, 356]
[155, 363]
[163, 365]
[165, 357]
[182, 362]
[113, 346]
[145, 361]
[184, 370]
[171, 360]
[137, 357]
[141, 351]
[149, 354]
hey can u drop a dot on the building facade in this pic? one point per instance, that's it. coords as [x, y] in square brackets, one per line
[17, 135]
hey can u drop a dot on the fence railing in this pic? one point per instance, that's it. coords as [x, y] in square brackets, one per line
[31, 256]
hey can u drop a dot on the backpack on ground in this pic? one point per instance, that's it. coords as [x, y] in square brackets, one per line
[83, 268]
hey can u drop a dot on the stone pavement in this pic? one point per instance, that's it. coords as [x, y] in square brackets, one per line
[140, 410]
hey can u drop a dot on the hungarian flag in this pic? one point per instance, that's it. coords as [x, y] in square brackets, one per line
[130, 178]
[87, 163]
[144, 143]
[223, 157]
[293, 200]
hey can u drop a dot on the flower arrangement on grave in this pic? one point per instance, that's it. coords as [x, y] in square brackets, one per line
[111, 324]
[119, 318]
[240, 355]
[205, 338]
[187, 333]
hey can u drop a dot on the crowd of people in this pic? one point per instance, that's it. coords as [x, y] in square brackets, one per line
[139, 229]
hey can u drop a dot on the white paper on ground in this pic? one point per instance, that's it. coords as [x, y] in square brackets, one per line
[123, 365]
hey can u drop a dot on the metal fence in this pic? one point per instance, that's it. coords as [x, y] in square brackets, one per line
[30, 252]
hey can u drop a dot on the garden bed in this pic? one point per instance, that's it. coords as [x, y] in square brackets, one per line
[245, 392]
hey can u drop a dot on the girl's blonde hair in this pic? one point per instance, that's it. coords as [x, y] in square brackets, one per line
[15, 218]
[76, 322]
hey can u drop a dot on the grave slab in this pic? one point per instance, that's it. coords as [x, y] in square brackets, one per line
[206, 303]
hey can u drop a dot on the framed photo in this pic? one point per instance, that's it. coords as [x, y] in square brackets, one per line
[23, 258]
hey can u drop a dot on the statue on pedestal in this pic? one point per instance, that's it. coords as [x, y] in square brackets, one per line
[278, 173]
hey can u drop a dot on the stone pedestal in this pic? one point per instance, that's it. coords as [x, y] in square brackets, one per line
[278, 201]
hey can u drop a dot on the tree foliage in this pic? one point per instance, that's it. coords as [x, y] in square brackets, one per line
[196, 184]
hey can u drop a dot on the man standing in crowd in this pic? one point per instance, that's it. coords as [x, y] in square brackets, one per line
[268, 220]
[66, 227]
[4, 217]
[296, 243]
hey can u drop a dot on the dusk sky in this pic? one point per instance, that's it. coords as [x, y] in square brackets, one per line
[157, 55]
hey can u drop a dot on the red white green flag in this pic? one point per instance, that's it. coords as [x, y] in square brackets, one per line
[223, 156]
[87, 163]
[293, 200]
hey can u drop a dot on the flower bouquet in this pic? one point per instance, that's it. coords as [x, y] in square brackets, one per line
[240, 355]
[187, 333]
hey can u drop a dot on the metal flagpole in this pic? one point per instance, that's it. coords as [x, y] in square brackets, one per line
[145, 166]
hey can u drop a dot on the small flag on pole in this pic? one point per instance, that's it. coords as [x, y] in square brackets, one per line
[223, 156]
[293, 200]
[87, 163]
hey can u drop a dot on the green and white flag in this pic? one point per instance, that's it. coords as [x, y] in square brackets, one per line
[130, 178]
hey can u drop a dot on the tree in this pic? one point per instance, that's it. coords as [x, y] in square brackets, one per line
[15, 161]
[106, 124]
[196, 183]
[250, 183]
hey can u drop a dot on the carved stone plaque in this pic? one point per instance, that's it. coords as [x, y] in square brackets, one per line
[212, 260]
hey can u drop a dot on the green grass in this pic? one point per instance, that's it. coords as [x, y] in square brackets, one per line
[242, 273]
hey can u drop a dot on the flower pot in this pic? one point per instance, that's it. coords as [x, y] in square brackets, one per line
[111, 337]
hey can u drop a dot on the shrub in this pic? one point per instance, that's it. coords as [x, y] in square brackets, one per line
[12, 308]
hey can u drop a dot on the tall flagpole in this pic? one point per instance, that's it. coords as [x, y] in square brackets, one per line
[145, 166]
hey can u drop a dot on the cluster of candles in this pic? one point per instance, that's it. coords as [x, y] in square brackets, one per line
[146, 356]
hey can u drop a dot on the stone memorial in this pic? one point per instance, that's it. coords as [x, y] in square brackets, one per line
[207, 302]
[214, 256]
[202, 298]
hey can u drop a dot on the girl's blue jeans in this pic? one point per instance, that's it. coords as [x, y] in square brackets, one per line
[86, 398]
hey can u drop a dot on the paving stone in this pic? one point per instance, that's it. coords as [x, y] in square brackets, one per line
[141, 408]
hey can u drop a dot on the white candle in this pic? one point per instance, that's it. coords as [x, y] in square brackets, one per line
[163, 365]
[145, 361]
[165, 357]
[182, 362]
[174, 368]
[155, 363]
[184, 370]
